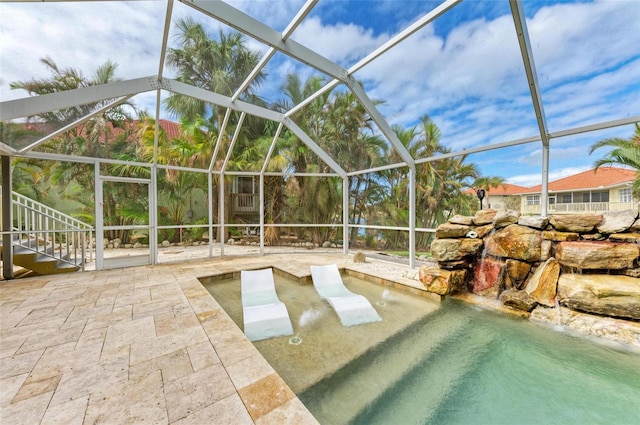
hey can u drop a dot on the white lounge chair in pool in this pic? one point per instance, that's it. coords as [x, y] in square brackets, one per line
[352, 309]
[264, 315]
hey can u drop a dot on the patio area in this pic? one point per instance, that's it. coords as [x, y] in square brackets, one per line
[145, 345]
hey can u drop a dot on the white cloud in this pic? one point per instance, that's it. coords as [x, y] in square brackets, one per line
[471, 82]
[76, 35]
[342, 43]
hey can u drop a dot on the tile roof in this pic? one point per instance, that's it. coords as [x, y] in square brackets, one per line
[502, 190]
[505, 189]
[604, 177]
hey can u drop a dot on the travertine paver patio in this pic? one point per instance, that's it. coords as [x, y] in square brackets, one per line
[143, 344]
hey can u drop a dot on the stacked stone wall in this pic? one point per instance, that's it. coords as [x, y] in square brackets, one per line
[586, 262]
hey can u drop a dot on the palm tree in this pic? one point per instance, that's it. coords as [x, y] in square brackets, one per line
[625, 152]
[94, 138]
[218, 65]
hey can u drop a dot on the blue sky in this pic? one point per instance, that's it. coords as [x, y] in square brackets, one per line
[464, 70]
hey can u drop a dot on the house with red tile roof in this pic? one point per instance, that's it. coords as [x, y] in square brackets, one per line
[591, 191]
[504, 197]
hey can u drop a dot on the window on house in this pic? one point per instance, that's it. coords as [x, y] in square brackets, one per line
[533, 199]
[245, 184]
[566, 198]
[625, 195]
[600, 196]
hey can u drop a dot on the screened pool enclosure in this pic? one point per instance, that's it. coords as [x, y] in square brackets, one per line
[336, 123]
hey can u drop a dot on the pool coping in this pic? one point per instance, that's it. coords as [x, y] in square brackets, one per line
[145, 342]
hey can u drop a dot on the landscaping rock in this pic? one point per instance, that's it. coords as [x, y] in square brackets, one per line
[487, 274]
[552, 235]
[359, 257]
[597, 255]
[536, 222]
[616, 221]
[484, 217]
[543, 283]
[515, 241]
[580, 223]
[625, 237]
[483, 231]
[503, 218]
[455, 249]
[519, 300]
[449, 230]
[461, 219]
[441, 282]
[166, 244]
[516, 273]
[611, 295]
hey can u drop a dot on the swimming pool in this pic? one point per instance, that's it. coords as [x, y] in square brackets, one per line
[450, 365]
[321, 345]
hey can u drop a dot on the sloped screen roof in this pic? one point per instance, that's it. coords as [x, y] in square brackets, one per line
[489, 74]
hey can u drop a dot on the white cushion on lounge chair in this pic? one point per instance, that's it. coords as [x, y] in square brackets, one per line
[352, 309]
[264, 315]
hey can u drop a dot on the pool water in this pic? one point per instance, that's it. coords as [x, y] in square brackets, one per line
[427, 363]
[478, 367]
[320, 345]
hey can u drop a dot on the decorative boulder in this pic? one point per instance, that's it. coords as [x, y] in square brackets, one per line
[461, 219]
[484, 217]
[597, 255]
[543, 283]
[611, 295]
[616, 221]
[555, 236]
[487, 274]
[514, 241]
[519, 300]
[483, 231]
[580, 223]
[441, 282]
[536, 222]
[503, 218]
[516, 273]
[449, 230]
[455, 249]
[359, 257]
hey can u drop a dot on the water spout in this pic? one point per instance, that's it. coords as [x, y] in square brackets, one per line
[386, 296]
[309, 316]
[295, 340]
[558, 327]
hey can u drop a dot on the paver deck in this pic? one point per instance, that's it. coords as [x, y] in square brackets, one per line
[138, 345]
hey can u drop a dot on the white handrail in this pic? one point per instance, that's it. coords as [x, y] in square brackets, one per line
[44, 230]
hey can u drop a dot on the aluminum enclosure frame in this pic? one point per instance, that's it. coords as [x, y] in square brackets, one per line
[281, 42]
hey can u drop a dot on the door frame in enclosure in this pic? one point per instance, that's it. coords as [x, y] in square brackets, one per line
[128, 260]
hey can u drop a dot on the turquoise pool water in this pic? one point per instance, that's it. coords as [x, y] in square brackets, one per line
[474, 367]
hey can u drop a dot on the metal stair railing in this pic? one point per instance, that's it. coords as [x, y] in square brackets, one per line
[49, 232]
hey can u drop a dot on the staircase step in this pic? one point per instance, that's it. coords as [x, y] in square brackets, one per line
[416, 399]
[334, 399]
[40, 263]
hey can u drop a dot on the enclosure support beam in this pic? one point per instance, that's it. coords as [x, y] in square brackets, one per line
[36, 105]
[97, 184]
[221, 217]
[261, 213]
[345, 215]
[7, 219]
[412, 217]
[210, 211]
[520, 22]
